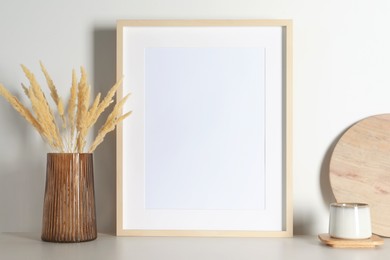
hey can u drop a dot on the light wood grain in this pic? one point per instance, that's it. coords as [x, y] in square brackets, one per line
[287, 231]
[345, 243]
[360, 169]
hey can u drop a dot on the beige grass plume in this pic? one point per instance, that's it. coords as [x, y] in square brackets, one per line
[76, 120]
[72, 104]
[43, 111]
[54, 94]
[19, 107]
[113, 119]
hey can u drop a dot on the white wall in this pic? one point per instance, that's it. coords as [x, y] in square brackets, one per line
[341, 68]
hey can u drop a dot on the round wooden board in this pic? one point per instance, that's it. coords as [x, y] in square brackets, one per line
[360, 169]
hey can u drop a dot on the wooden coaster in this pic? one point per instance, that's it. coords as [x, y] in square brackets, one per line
[351, 243]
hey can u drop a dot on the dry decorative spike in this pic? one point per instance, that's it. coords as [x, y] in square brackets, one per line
[76, 120]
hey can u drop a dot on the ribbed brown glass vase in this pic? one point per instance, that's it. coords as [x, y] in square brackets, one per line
[69, 204]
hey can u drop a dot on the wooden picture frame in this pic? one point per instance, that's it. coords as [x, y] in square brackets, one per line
[207, 150]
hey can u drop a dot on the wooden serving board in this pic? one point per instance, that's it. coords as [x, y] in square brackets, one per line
[360, 169]
[347, 243]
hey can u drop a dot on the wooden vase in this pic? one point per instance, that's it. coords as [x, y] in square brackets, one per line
[69, 213]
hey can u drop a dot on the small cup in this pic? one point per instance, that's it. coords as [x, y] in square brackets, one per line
[350, 221]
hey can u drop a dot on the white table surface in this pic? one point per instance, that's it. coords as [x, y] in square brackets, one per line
[29, 246]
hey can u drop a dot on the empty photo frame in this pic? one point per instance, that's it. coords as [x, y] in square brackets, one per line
[207, 149]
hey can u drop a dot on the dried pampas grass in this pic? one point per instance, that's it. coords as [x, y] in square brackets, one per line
[76, 120]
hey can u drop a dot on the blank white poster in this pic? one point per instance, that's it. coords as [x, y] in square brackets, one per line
[205, 128]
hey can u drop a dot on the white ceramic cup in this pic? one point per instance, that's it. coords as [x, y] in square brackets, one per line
[350, 221]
